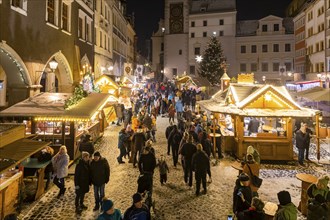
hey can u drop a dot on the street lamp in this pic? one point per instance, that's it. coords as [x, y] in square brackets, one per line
[264, 79]
[50, 85]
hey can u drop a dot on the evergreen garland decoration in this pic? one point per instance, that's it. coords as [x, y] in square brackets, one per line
[78, 94]
[210, 67]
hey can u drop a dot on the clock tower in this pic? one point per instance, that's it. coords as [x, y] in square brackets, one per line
[176, 37]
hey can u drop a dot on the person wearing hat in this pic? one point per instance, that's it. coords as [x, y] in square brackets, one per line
[82, 181]
[242, 195]
[251, 167]
[100, 175]
[320, 189]
[255, 212]
[200, 163]
[109, 212]
[286, 209]
[138, 210]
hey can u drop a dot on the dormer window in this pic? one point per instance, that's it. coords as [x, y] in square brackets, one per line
[276, 27]
[264, 28]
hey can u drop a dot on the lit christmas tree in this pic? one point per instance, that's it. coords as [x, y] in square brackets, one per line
[210, 66]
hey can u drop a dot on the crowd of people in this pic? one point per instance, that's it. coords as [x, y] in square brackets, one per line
[189, 144]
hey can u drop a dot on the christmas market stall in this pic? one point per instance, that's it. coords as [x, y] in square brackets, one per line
[15, 148]
[200, 84]
[260, 115]
[61, 118]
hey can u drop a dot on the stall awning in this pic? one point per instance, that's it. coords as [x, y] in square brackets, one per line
[15, 152]
[50, 106]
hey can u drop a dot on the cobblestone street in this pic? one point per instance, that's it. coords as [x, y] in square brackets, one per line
[174, 200]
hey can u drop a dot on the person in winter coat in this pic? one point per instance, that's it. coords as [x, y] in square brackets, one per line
[200, 164]
[182, 142]
[171, 113]
[82, 181]
[242, 195]
[46, 155]
[163, 169]
[248, 165]
[255, 212]
[109, 212]
[302, 137]
[254, 152]
[318, 208]
[122, 139]
[60, 167]
[206, 143]
[175, 139]
[138, 210]
[87, 145]
[168, 131]
[138, 140]
[286, 209]
[187, 151]
[100, 175]
[179, 108]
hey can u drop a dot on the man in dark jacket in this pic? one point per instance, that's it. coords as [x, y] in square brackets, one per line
[100, 175]
[87, 145]
[200, 164]
[242, 195]
[168, 131]
[122, 138]
[138, 210]
[253, 126]
[175, 139]
[302, 138]
[187, 151]
[82, 181]
[138, 140]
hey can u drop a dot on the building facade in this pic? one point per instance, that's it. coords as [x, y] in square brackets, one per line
[157, 41]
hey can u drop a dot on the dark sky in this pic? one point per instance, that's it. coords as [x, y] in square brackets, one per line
[148, 13]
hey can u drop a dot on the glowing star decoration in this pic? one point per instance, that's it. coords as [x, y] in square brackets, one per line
[268, 97]
[199, 58]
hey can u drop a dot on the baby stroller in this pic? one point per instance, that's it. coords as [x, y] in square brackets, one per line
[145, 189]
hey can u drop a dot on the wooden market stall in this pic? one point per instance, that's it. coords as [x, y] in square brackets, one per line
[46, 116]
[107, 85]
[259, 115]
[14, 149]
[200, 84]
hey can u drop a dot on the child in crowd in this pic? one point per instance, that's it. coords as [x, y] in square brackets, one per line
[163, 169]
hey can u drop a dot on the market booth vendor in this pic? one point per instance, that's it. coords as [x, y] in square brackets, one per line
[49, 117]
[262, 116]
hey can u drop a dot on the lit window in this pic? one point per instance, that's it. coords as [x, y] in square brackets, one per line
[19, 5]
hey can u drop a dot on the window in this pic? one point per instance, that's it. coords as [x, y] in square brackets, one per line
[174, 71]
[197, 50]
[19, 5]
[254, 67]
[264, 67]
[276, 48]
[288, 66]
[101, 42]
[220, 33]
[276, 67]
[221, 22]
[204, 34]
[65, 17]
[264, 28]
[243, 49]
[192, 35]
[162, 47]
[80, 27]
[243, 67]
[192, 70]
[264, 48]
[204, 23]
[51, 15]
[287, 47]
[276, 27]
[180, 52]
[192, 24]
[254, 49]
[89, 30]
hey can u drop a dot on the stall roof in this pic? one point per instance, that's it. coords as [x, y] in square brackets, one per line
[15, 152]
[106, 80]
[245, 97]
[197, 80]
[51, 105]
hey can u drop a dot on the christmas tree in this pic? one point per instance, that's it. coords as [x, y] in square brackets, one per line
[210, 66]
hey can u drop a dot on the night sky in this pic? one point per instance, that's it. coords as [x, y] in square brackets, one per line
[148, 13]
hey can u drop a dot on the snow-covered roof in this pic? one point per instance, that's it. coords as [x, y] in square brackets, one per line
[211, 6]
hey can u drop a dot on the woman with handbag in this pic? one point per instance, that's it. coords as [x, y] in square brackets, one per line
[251, 168]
